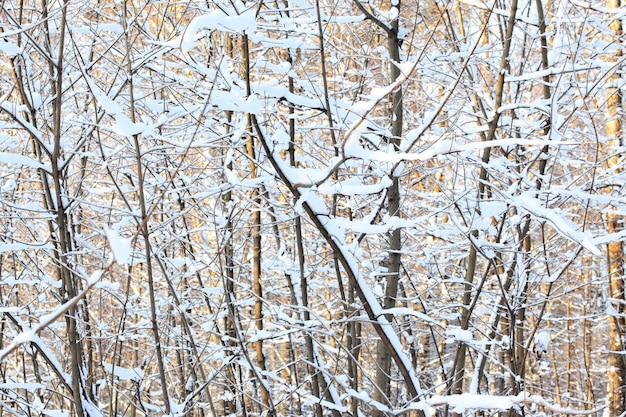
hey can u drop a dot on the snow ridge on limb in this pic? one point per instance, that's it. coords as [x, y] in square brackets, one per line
[319, 216]
[31, 335]
[459, 403]
[120, 247]
[561, 224]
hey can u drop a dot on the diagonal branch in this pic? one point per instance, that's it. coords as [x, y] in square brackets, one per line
[371, 305]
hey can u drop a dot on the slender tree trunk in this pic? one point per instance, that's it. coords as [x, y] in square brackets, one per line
[63, 239]
[459, 361]
[615, 250]
[617, 369]
[229, 403]
[143, 226]
[291, 150]
[383, 358]
[256, 244]
[587, 349]
[256, 284]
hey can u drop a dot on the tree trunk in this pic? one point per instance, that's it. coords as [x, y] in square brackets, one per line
[615, 250]
[459, 362]
[383, 358]
[256, 245]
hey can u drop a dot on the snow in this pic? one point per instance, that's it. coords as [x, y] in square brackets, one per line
[16, 247]
[121, 247]
[309, 197]
[404, 311]
[443, 147]
[354, 186]
[126, 127]
[10, 49]
[462, 402]
[317, 205]
[561, 224]
[307, 177]
[192, 221]
[30, 386]
[122, 125]
[366, 398]
[360, 226]
[95, 277]
[24, 337]
[11, 108]
[456, 334]
[610, 309]
[280, 92]
[244, 23]
[11, 158]
[124, 374]
[110, 27]
[542, 342]
[55, 413]
[492, 208]
[609, 237]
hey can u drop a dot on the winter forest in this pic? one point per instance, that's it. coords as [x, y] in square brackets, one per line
[312, 208]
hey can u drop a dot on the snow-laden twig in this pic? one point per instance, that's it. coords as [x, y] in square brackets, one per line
[459, 403]
[31, 335]
[561, 224]
[319, 215]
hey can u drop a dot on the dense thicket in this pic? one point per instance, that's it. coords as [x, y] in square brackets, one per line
[308, 207]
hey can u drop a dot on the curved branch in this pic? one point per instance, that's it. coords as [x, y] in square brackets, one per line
[371, 305]
[368, 15]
